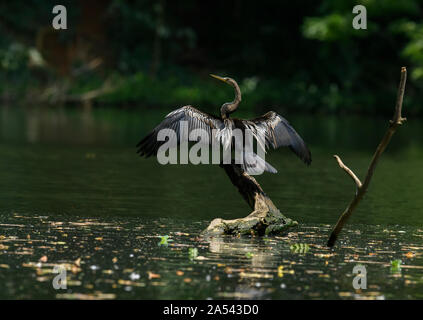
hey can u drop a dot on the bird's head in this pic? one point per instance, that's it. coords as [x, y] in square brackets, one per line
[229, 107]
[227, 80]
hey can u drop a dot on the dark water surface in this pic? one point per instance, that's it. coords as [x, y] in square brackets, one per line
[74, 193]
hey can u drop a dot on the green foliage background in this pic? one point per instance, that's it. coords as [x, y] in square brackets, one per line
[297, 56]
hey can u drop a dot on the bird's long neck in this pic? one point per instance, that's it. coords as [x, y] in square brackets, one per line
[230, 107]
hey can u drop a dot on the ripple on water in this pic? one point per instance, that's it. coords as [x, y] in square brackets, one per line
[131, 258]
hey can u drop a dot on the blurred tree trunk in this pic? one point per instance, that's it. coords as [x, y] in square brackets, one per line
[62, 51]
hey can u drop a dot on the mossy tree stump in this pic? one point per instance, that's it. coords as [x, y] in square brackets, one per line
[265, 219]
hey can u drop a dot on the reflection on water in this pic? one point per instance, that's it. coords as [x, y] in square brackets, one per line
[73, 192]
[121, 258]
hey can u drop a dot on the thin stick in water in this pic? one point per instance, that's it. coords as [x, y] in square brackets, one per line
[362, 187]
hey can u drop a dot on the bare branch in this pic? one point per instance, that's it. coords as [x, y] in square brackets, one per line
[362, 188]
[394, 123]
[398, 119]
[348, 171]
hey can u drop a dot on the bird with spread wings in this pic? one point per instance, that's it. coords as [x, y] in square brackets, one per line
[270, 130]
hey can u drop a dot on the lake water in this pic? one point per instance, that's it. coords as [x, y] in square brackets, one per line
[74, 193]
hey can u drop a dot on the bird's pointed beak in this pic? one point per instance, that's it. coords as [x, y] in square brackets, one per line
[217, 77]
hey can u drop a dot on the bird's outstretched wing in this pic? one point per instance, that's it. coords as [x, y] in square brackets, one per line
[278, 132]
[195, 119]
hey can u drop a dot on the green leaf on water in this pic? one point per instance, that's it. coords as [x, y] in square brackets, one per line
[396, 266]
[164, 241]
[299, 248]
[192, 253]
[249, 255]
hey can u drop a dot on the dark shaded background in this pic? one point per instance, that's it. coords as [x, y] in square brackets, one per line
[74, 103]
[299, 56]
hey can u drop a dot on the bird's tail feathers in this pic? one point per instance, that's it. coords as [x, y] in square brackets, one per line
[254, 165]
